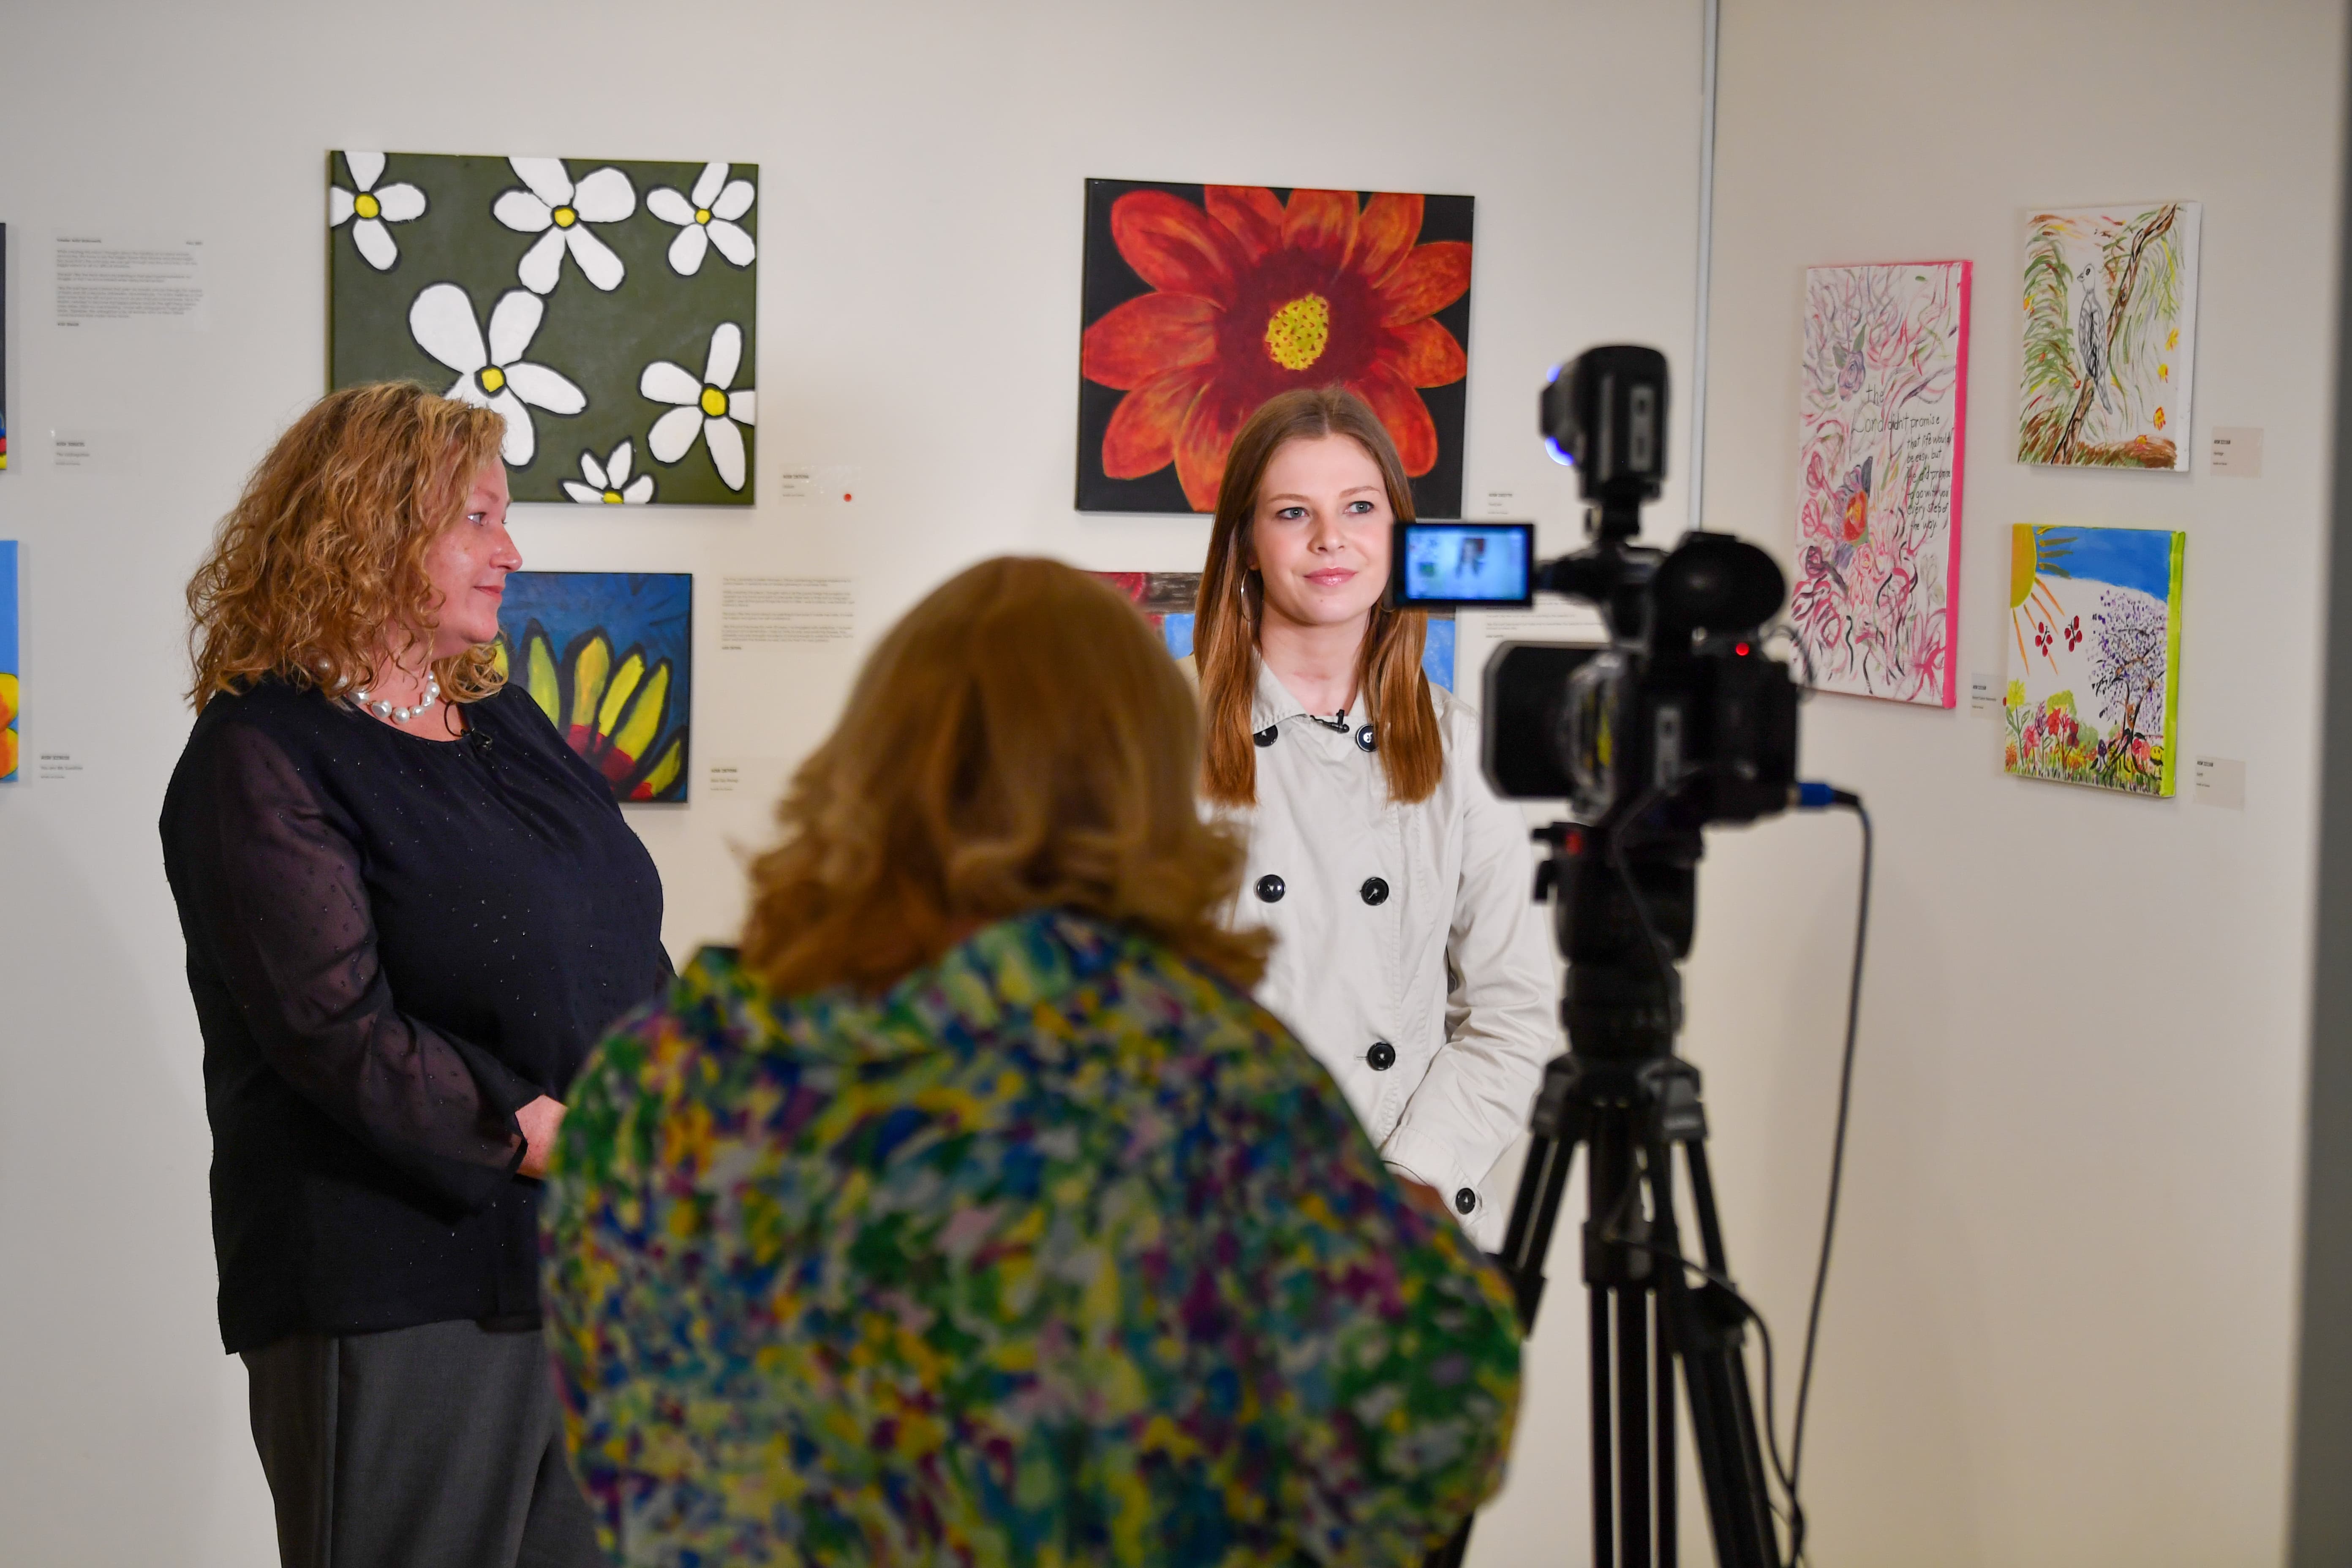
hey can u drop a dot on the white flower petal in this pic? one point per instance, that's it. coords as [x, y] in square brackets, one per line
[469, 390]
[708, 183]
[725, 354]
[521, 210]
[401, 203]
[546, 177]
[522, 441]
[592, 470]
[604, 196]
[673, 433]
[666, 383]
[732, 242]
[686, 251]
[544, 388]
[669, 205]
[366, 168]
[726, 444]
[639, 494]
[338, 206]
[738, 406]
[375, 243]
[584, 494]
[598, 262]
[617, 467]
[735, 200]
[441, 319]
[542, 264]
[514, 320]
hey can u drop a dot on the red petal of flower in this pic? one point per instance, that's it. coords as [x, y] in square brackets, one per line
[1175, 246]
[1322, 223]
[1251, 212]
[1430, 279]
[1201, 444]
[1405, 415]
[1141, 438]
[1384, 234]
[1429, 355]
[1147, 336]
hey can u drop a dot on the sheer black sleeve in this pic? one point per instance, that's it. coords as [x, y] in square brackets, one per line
[274, 893]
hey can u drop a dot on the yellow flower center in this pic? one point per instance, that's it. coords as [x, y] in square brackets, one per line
[612, 497]
[366, 206]
[1296, 335]
[565, 217]
[714, 402]
[702, 214]
[492, 378]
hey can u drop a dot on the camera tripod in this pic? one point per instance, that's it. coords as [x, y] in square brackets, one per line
[1622, 1094]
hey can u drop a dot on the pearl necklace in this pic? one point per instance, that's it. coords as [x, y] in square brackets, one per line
[403, 715]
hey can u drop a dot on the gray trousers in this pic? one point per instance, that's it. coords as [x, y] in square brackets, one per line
[436, 1447]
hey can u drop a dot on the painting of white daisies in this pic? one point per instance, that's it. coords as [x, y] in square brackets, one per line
[605, 309]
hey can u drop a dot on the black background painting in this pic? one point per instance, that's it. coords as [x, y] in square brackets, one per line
[1109, 281]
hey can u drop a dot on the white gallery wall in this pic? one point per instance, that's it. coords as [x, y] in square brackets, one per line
[2060, 1330]
[922, 180]
[2061, 1327]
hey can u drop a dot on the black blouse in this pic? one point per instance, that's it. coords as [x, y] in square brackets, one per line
[393, 943]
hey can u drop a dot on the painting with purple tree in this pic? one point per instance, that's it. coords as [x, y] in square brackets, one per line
[2095, 623]
[1883, 427]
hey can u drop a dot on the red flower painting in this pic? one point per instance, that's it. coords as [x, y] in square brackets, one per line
[1251, 294]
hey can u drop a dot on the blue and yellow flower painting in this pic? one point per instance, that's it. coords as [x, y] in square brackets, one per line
[609, 657]
[8, 746]
[2095, 623]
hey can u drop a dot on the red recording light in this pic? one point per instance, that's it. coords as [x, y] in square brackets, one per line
[1740, 649]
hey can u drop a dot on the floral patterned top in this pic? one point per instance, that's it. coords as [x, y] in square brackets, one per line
[1061, 1251]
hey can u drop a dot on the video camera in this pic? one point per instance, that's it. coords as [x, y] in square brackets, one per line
[1682, 710]
[1681, 721]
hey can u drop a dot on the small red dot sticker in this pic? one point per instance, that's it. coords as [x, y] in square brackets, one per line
[845, 495]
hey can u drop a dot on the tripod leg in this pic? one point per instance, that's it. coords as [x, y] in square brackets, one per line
[1661, 1383]
[1603, 1409]
[1633, 1426]
[1709, 1335]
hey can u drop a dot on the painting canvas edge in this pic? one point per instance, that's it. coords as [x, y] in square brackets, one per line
[1960, 478]
[2172, 616]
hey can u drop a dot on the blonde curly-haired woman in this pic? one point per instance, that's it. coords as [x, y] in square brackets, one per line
[409, 911]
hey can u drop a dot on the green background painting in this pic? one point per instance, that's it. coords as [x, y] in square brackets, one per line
[600, 340]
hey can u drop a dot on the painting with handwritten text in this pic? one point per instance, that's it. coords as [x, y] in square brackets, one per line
[1883, 430]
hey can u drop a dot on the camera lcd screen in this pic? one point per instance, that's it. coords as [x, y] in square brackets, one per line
[1438, 565]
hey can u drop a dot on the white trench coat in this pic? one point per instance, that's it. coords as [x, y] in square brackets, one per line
[1409, 956]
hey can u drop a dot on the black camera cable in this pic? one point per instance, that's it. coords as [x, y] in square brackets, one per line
[1808, 797]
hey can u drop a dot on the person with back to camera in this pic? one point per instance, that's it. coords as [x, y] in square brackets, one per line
[409, 911]
[971, 1211]
[1409, 956]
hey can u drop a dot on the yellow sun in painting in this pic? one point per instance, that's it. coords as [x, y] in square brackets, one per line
[2034, 612]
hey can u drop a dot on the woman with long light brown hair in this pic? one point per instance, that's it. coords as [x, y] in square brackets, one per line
[1410, 957]
[970, 1212]
[409, 911]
